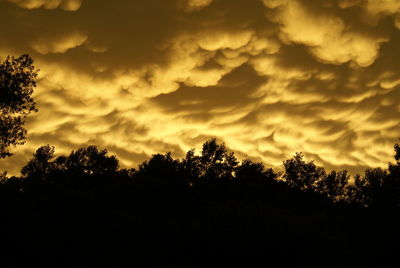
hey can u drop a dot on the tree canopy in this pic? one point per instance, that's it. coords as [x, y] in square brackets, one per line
[17, 81]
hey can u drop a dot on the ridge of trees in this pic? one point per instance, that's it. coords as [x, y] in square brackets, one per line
[216, 165]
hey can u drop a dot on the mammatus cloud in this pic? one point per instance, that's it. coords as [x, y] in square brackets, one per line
[58, 44]
[193, 5]
[268, 77]
[69, 5]
[326, 35]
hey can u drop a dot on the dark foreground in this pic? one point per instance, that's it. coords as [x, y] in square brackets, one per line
[82, 211]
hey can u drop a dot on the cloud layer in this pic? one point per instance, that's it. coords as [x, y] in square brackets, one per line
[267, 77]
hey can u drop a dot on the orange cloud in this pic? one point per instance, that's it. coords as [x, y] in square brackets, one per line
[69, 5]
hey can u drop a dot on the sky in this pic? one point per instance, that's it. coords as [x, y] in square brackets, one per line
[266, 77]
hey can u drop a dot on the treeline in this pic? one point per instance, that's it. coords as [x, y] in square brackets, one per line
[377, 187]
[82, 208]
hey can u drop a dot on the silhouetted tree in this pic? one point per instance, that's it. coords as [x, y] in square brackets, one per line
[84, 161]
[127, 172]
[355, 193]
[17, 80]
[301, 174]
[397, 152]
[40, 165]
[249, 171]
[394, 168]
[375, 189]
[392, 182]
[90, 160]
[164, 171]
[334, 185]
[215, 162]
[191, 166]
[3, 176]
[9, 190]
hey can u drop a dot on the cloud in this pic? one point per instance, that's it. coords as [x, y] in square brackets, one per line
[69, 5]
[268, 78]
[58, 44]
[193, 5]
[326, 34]
[382, 8]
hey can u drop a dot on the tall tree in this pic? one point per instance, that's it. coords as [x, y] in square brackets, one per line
[17, 80]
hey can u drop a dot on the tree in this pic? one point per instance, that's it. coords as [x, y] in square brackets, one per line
[394, 168]
[215, 162]
[17, 80]
[393, 178]
[370, 190]
[254, 172]
[397, 152]
[162, 170]
[40, 165]
[84, 161]
[377, 188]
[90, 160]
[302, 174]
[334, 185]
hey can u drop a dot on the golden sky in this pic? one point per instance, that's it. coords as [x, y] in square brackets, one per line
[267, 77]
